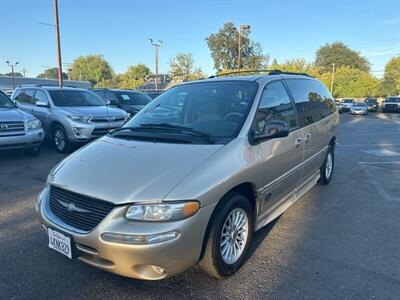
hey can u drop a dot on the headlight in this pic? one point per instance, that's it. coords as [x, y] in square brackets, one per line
[162, 211]
[80, 119]
[34, 124]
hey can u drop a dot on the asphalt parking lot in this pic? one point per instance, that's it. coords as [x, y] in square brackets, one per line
[338, 241]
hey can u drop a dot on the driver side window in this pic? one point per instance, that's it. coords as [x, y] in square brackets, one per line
[275, 105]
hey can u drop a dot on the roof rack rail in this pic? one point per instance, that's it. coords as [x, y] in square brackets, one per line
[46, 85]
[270, 72]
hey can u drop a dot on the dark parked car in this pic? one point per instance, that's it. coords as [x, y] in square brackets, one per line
[391, 104]
[128, 100]
[372, 104]
[154, 94]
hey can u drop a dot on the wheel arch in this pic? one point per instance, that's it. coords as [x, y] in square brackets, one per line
[247, 189]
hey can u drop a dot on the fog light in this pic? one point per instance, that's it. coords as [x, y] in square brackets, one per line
[77, 130]
[139, 239]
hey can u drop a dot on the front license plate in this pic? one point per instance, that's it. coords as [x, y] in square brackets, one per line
[60, 242]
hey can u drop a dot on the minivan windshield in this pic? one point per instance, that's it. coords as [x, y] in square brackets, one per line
[132, 98]
[75, 98]
[6, 102]
[216, 110]
[393, 99]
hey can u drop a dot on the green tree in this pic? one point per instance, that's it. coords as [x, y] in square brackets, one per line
[351, 82]
[224, 49]
[134, 76]
[297, 65]
[341, 55]
[16, 74]
[51, 73]
[391, 79]
[182, 68]
[93, 68]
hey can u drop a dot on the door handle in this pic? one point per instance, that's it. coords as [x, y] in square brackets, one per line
[308, 137]
[298, 141]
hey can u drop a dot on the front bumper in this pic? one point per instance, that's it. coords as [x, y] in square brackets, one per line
[358, 112]
[22, 140]
[139, 261]
[81, 132]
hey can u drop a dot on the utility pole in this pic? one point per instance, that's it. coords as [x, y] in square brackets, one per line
[241, 27]
[57, 28]
[333, 77]
[12, 71]
[24, 71]
[156, 46]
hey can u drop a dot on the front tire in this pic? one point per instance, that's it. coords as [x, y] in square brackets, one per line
[230, 233]
[326, 170]
[60, 139]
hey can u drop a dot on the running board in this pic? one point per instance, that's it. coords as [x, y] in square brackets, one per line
[287, 201]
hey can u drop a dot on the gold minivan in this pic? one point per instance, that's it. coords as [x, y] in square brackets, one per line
[192, 176]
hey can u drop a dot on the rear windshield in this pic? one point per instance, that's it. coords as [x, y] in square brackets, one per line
[393, 99]
[75, 98]
[348, 101]
[5, 102]
[133, 98]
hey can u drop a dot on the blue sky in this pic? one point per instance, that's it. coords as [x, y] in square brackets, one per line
[118, 29]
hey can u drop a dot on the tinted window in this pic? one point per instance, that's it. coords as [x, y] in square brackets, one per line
[25, 96]
[393, 99]
[5, 102]
[100, 93]
[274, 105]
[132, 98]
[313, 100]
[41, 96]
[112, 97]
[75, 98]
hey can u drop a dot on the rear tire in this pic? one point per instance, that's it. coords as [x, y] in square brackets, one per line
[60, 139]
[230, 233]
[326, 170]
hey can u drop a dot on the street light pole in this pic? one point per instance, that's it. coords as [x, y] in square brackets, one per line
[12, 71]
[241, 27]
[333, 77]
[156, 46]
[57, 28]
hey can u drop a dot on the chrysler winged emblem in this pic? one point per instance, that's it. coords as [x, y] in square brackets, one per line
[72, 207]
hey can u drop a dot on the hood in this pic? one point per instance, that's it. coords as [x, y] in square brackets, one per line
[94, 111]
[7, 114]
[121, 171]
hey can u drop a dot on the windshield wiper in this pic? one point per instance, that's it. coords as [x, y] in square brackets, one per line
[167, 127]
[180, 129]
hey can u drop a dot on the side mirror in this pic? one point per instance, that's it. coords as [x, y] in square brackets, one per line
[272, 130]
[108, 102]
[42, 104]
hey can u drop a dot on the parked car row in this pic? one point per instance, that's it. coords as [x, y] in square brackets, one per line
[65, 115]
[390, 104]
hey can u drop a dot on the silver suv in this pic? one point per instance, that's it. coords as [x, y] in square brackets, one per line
[192, 176]
[18, 129]
[69, 115]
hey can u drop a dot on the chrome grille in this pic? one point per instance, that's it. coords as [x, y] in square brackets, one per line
[11, 126]
[76, 210]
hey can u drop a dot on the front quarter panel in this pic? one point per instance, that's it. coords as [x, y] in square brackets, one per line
[232, 165]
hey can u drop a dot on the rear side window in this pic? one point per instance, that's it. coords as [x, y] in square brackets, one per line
[275, 105]
[313, 100]
[25, 96]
